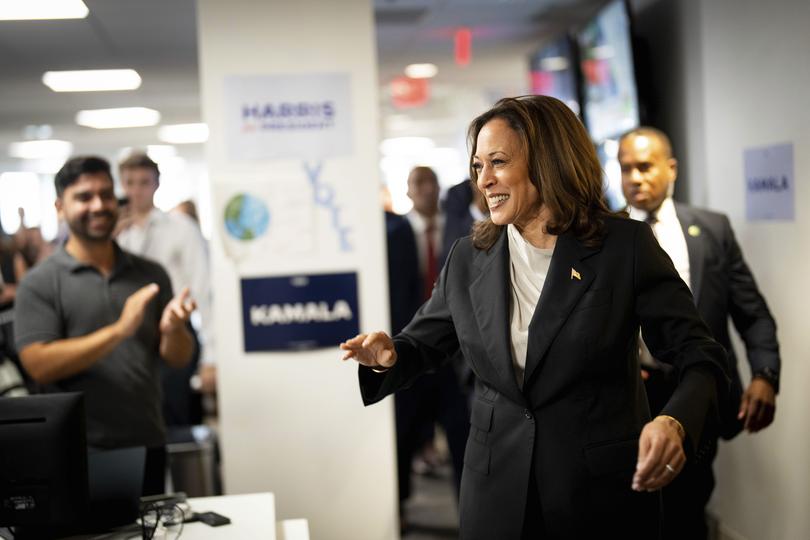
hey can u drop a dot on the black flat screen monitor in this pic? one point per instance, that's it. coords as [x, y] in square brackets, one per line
[553, 72]
[43, 461]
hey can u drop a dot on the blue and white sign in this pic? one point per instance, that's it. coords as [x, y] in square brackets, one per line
[769, 183]
[299, 312]
[296, 116]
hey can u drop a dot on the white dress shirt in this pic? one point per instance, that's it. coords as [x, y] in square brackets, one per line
[528, 268]
[175, 241]
[668, 231]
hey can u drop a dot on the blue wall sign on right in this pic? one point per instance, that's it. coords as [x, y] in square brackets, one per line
[769, 183]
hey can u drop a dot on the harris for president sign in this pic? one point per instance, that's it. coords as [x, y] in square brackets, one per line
[288, 116]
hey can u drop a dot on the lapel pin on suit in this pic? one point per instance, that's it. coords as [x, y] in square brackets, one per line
[693, 231]
[575, 274]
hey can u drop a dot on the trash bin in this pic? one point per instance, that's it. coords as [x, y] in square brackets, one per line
[193, 461]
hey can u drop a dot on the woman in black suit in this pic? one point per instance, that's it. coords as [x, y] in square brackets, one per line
[545, 301]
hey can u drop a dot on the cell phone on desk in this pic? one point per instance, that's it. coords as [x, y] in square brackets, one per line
[212, 518]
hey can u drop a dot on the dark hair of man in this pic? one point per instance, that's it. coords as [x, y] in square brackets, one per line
[562, 165]
[77, 166]
[652, 133]
[422, 169]
[139, 160]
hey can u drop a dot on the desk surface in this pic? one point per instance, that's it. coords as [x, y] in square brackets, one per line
[252, 516]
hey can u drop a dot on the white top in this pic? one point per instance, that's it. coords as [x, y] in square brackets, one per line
[668, 231]
[419, 225]
[175, 241]
[528, 268]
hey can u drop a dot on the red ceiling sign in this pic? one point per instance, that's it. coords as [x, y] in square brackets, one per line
[407, 92]
[463, 46]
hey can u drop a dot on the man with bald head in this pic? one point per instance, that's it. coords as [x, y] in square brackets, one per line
[705, 253]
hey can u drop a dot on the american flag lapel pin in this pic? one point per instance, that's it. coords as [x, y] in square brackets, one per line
[575, 274]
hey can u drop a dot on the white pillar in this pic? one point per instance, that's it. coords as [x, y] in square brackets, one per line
[293, 422]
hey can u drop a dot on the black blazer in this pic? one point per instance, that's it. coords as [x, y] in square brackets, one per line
[724, 286]
[575, 424]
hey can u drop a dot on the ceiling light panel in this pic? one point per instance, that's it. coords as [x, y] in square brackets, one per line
[42, 149]
[24, 10]
[126, 117]
[421, 71]
[92, 80]
[183, 133]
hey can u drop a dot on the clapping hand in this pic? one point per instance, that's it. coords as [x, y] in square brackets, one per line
[177, 312]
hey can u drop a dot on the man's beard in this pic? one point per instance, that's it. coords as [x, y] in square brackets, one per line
[81, 227]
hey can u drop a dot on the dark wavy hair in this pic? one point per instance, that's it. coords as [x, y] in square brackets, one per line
[562, 165]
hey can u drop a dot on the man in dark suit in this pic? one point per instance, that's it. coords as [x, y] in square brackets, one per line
[414, 260]
[461, 210]
[702, 246]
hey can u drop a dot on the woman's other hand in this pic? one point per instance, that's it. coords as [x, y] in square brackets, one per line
[375, 350]
[660, 454]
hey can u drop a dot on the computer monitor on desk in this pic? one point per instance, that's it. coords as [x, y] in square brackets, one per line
[43, 463]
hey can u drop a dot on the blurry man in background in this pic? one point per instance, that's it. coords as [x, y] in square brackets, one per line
[93, 318]
[437, 397]
[702, 246]
[175, 241]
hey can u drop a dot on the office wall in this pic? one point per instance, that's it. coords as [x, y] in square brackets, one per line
[756, 73]
[733, 74]
[292, 422]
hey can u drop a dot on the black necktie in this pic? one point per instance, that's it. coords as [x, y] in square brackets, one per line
[652, 218]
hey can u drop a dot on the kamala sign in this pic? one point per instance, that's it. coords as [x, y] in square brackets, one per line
[299, 312]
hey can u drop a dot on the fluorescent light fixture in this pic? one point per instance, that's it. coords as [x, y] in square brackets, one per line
[421, 71]
[183, 133]
[126, 117]
[399, 146]
[92, 80]
[45, 149]
[554, 63]
[25, 10]
[160, 152]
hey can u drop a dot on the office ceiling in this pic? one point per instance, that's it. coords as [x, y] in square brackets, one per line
[158, 39]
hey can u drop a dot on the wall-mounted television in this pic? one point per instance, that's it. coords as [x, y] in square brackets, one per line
[554, 73]
[609, 91]
[610, 97]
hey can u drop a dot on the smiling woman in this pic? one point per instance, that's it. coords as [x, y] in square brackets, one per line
[520, 143]
[545, 302]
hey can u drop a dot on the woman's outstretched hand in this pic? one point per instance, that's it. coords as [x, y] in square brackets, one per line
[660, 454]
[375, 350]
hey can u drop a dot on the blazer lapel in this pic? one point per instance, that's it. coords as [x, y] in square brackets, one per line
[568, 278]
[693, 234]
[490, 299]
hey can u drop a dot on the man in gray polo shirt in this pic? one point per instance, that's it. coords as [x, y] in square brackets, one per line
[96, 319]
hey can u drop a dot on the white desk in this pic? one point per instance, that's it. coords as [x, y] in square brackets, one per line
[252, 516]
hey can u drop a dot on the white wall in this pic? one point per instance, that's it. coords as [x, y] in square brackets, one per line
[756, 72]
[294, 423]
